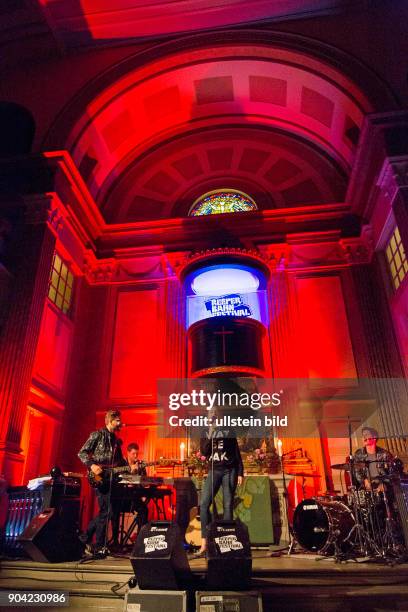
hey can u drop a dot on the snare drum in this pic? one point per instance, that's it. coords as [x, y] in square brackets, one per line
[321, 525]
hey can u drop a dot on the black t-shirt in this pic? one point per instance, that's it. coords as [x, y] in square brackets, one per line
[222, 450]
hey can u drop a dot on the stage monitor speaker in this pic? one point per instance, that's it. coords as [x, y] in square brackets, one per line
[224, 601]
[52, 535]
[155, 601]
[229, 555]
[159, 559]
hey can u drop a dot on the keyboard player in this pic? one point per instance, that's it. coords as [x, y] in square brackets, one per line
[138, 468]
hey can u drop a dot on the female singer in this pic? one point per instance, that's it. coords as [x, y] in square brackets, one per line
[226, 469]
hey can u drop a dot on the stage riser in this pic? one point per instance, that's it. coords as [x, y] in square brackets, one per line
[283, 599]
[77, 604]
[285, 584]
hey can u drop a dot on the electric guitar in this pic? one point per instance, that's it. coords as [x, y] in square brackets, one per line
[100, 481]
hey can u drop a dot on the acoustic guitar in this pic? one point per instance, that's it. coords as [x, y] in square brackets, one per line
[193, 531]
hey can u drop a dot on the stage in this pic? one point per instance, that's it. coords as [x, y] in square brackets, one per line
[300, 582]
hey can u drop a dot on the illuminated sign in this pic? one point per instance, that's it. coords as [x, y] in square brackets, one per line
[226, 290]
[216, 280]
[228, 306]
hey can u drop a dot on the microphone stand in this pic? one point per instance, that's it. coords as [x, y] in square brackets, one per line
[105, 549]
[212, 474]
[286, 498]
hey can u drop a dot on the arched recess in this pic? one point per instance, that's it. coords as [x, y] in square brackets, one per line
[281, 86]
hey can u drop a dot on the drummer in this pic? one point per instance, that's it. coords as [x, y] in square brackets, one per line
[377, 461]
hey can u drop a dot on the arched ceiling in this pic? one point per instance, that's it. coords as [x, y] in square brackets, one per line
[275, 168]
[276, 123]
[92, 22]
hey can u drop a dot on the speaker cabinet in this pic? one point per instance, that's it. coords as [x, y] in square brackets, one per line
[400, 487]
[156, 601]
[229, 555]
[159, 559]
[52, 535]
[223, 601]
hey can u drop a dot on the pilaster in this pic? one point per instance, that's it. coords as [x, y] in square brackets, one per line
[21, 330]
[383, 364]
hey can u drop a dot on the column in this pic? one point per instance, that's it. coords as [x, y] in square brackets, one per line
[33, 258]
[174, 314]
[383, 360]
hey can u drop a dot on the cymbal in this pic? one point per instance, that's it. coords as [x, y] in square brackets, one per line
[340, 466]
[344, 466]
[305, 475]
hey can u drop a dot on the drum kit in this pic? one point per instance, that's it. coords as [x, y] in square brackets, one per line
[366, 522]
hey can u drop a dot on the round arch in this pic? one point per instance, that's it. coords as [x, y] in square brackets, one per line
[277, 83]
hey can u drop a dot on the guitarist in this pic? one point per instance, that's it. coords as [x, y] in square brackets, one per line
[103, 448]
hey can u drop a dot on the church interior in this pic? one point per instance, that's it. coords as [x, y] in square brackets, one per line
[200, 190]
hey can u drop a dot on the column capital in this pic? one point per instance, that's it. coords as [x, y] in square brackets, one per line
[393, 176]
[100, 271]
[45, 208]
[277, 256]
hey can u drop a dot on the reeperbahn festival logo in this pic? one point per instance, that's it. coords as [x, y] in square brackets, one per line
[228, 305]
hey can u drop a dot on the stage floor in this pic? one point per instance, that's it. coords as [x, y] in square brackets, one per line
[303, 582]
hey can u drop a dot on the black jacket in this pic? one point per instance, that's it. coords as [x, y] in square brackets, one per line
[226, 451]
[103, 448]
[382, 456]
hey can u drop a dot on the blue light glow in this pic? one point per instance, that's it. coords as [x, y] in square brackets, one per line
[228, 289]
[224, 280]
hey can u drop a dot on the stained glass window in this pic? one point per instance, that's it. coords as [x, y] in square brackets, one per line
[223, 201]
[396, 258]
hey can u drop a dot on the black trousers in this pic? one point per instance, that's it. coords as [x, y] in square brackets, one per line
[227, 478]
[108, 509]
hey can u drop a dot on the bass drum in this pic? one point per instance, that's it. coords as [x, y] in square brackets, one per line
[321, 525]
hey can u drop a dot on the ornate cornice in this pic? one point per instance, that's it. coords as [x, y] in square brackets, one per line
[119, 270]
[99, 271]
[393, 176]
[276, 256]
[355, 252]
[181, 262]
[44, 209]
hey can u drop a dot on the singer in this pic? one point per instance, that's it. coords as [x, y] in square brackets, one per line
[226, 469]
[101, 450]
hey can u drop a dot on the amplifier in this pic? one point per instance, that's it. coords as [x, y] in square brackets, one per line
[228, 601]
[52, 535]
[155, 601]
[229, 555]
[400, 488]
[24, 505]
[159, 559]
